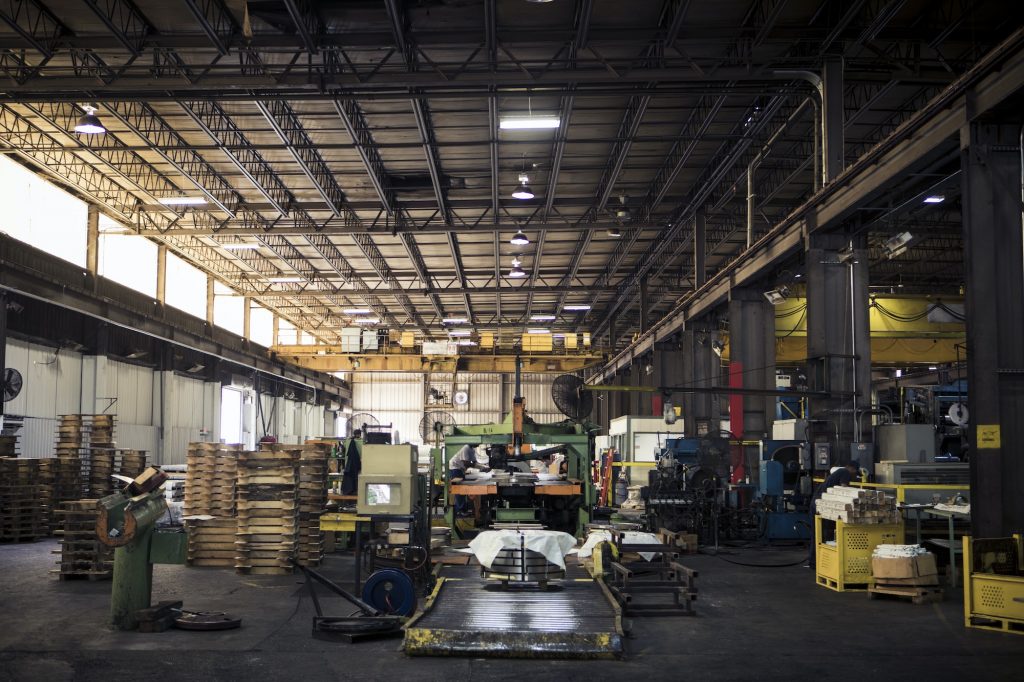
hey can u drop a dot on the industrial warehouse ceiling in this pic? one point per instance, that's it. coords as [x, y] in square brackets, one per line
[357, 146]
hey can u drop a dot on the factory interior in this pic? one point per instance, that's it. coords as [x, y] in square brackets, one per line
[507, 339]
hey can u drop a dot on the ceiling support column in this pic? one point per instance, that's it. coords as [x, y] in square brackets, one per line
[751, 365]
[832, 118]
[698, 368]
[992, 227]
[839, 344]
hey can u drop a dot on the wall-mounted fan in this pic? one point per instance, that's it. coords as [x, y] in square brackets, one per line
[360, 420]
[435, 426]
[10, 385]
[571, 398]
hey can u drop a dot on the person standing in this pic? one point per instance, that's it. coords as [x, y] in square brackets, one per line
[457, 465]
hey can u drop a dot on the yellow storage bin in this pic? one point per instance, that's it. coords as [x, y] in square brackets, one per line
[846, 565]
[994, 584]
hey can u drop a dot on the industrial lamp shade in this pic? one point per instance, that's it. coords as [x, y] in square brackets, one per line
[614, 232]
[522, 190]
[519, 238]
[89, 123]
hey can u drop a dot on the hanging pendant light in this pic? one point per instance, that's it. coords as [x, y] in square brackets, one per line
[519, 239]
[89, 123]
[614, 232]
[522, 190]
[517, 271]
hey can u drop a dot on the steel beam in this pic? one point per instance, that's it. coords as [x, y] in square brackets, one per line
[34, 23]
[217, 22]
[994, 78]
[124, 20]
[307, 22]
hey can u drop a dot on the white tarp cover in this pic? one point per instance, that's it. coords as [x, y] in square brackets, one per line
[554, 545]
[593, 539]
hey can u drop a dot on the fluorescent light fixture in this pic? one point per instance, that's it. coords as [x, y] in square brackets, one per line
[542, 318]
[576, 307]
[934, 199]
[519, 239]
[285, 280]
[454, 320]
[357, 311]
[366, 320]
[538, 331]
[183, 201]
[466, 342]
[530, 122]
[558, 336]
[931, 368]
[899, 373]
[777, 296]
[460, 332]
[89, 123]
[240, 247]
[523, 191]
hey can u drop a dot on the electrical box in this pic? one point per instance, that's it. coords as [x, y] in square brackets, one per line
[905, 442]
[863, 454]
[789, 429]
[390, 460]
[770, 480]
[822, 455]
[386, 494]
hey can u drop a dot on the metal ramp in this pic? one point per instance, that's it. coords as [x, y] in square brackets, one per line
[468, 616]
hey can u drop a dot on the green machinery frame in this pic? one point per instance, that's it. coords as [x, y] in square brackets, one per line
[579, 456]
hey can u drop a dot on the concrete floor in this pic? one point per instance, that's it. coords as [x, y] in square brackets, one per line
[753, 623]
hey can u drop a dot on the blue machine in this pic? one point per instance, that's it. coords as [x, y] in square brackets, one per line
[784, 487]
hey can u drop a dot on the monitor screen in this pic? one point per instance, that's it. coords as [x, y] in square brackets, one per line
[383, 494]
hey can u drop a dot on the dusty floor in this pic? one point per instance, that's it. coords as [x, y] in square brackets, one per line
[753, 623]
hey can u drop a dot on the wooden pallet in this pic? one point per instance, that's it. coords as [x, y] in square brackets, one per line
[918, 594]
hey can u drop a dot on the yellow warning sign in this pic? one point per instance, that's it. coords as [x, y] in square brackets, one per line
[988, 436]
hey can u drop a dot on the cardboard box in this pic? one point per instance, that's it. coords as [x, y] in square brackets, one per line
[918, 570]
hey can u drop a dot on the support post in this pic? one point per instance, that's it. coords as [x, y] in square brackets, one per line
[92, 243]
[3, 344]
[645, 307]
[838, 341]
[698, 369]
[700, 248]
[832, 118]
[209, 302]
[246, 317]
[161, 274]
[994, 263]
[751, 365]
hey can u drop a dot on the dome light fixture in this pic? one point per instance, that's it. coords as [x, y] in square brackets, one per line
[614, 231]
[520, 238]
[89, 123]
[522, 190]
[517, 271]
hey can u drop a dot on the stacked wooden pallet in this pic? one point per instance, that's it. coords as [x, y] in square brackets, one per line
[210, 479]
[312, 500]
[857, 505]
[21, 513]
[82, 555]
[131, 462]
[71, 470]
[8, 446]
[267, 504]
[102, 455]
[211, 540]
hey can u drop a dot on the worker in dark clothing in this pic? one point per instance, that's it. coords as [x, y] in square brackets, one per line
[841, 476]
[457, 465]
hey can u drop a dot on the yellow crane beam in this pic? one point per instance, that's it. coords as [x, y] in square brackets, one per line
[333, 359]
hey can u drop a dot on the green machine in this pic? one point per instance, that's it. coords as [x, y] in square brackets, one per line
[515, 497]
[126, 521]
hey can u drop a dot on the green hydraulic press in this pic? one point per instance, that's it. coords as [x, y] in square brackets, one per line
[127, 521]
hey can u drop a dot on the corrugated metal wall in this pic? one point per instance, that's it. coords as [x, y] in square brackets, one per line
[398, 398]
[66, 383]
